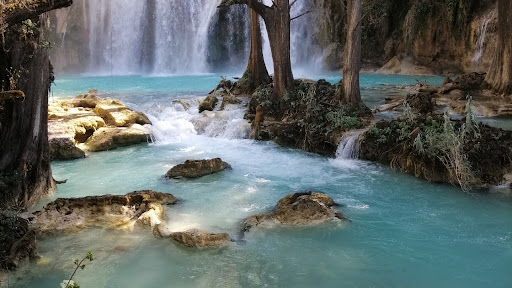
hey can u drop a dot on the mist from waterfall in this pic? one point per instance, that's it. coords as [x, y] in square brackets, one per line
[161, 37]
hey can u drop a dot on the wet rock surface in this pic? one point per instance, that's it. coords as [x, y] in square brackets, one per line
[91, 123]
[197, 168]
[299, 209]
[113, 211]
[208, 104]
[195, 238]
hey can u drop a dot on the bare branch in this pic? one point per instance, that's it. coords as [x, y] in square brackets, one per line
[300, 15]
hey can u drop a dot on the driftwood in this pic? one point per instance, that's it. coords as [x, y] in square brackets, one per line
[227, 85]
[390, 106]
[12, 95]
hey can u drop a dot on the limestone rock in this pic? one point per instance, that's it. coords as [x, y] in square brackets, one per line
[84, 119]
[116, 114]
[114, 211]
[208, 103]
[18, 240]
[201, 239]
[332, 59]
[107, 138]
[197, 168]
[299, 209]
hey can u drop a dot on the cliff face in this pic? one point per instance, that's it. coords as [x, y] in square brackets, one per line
[417, 36]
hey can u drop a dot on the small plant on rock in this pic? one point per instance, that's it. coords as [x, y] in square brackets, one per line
[79, 264]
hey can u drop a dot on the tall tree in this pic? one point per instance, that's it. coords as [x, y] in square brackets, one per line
[352, 55]
[25, 172]
[256, 72]
[499, 76]
[277, 20]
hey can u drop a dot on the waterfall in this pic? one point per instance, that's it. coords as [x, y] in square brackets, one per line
[161, 37]
[482, 30]
[305, 56]
[154, 36]
[349, 145]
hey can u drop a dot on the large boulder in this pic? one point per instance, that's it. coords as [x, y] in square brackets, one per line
[107, 138]
[114, 211]
[18, 240]
[197, 168]
[299, 209]
[201, 239]
[208, 103]
[64, 149]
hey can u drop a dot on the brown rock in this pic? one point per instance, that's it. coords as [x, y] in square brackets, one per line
[299, 209]
[197, 168]
[229, 99]
[208, 103]
[64, 149]
[201, 239]
[114, 211]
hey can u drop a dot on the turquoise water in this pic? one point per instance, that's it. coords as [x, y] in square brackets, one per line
[404, 232]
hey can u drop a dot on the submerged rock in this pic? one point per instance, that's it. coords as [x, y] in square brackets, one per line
[299, 209]
[17, 240]
[201, 239]
[208, 103]
[197, 168]
[114, 211]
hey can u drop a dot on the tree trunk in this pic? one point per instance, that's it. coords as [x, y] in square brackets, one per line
[499, 76]
[352, 55]
[278, 28]
[277, 20]
[256, 68]
[25, 172]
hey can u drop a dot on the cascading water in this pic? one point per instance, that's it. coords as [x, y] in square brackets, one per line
[481, 39]
[154, 36]
[182, 37]
[349, 145]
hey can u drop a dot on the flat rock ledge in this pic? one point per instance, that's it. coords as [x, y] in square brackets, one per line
[299, 209]
[90, 123]
[197, 168]
[195, 238]
[112, 211]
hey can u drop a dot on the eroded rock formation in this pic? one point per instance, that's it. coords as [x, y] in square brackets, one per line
[113, 211]
[299, 209]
